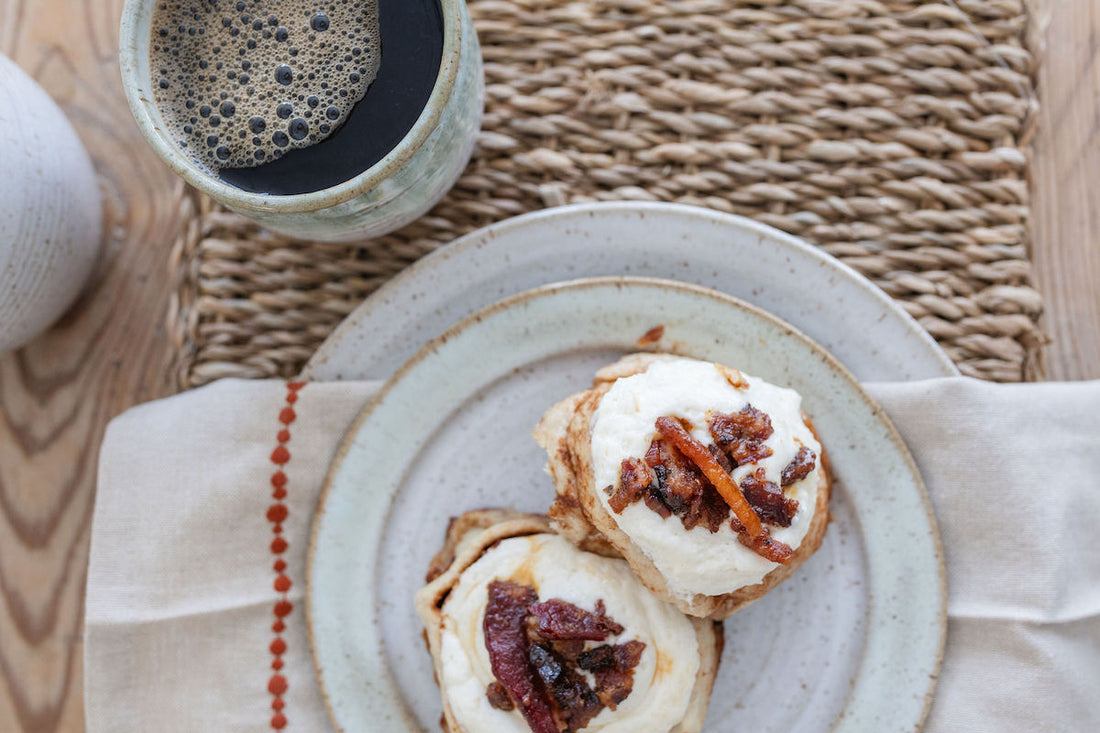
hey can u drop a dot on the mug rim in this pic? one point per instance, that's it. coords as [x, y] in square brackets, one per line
[134, 45]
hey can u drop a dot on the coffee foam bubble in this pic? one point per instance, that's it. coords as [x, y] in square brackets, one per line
[241, 82]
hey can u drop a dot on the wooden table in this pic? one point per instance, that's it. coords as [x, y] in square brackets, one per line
[111, 352]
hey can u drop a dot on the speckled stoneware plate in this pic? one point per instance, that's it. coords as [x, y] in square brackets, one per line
[836, 306]
[853, 641]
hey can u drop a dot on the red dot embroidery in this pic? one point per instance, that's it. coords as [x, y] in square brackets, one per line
[276, 514]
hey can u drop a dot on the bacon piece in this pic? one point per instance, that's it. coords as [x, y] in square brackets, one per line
[568, 649]
[651, 336]
[560, 620]
[734, 376]
[679, 482]
[576, 703]
[635, 478]
[723, 460]
[767, 547]
[506, 640]
[653, 500]
[498, 697]
[613, 669]
[742, 434]
[768, 499]
[754, 531]
[799, 467]
[709, 511]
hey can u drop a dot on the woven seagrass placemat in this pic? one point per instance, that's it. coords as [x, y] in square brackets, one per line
[890, 133]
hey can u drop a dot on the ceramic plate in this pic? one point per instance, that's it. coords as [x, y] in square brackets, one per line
[853, 640]
[834, 305]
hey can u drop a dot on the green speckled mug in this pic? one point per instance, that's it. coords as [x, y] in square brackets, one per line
[402, 186]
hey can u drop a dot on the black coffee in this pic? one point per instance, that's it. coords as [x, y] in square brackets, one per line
[328, 88]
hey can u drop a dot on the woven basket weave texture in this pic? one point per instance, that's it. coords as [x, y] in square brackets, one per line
[891, 134]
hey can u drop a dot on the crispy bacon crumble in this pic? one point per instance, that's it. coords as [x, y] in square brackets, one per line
[498, 697]
[800, 466]
[679, 475]
[768, 500]
[537, 651]
[742, 434]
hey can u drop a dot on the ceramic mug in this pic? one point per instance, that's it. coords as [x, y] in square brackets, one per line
[401, 187]
[50, 210]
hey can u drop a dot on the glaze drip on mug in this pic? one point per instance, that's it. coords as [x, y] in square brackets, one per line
[241, 82]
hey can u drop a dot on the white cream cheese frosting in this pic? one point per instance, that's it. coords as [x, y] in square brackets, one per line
[663, 679]
[698, 561]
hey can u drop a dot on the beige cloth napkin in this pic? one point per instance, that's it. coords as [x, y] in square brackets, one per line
[195, 615]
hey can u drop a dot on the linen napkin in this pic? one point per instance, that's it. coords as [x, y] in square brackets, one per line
[195, 611]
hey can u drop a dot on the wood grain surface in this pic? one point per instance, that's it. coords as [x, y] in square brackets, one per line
[111, 352]
[108, 353]
[1066, 184]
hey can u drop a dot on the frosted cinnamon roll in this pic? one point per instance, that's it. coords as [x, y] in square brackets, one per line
[529, 633]
[710, 482]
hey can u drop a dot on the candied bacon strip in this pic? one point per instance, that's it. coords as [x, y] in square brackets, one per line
[800, 466]
[559, 620]
[506, 640]
[753, 530]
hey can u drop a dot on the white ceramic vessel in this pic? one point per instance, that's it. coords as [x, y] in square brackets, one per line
[50, 213]
[398, 189]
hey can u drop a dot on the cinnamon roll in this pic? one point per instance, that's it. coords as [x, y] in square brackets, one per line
[529, 633]
[710, 482]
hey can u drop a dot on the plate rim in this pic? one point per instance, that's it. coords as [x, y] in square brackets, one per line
[565, 287]
[471, 240]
